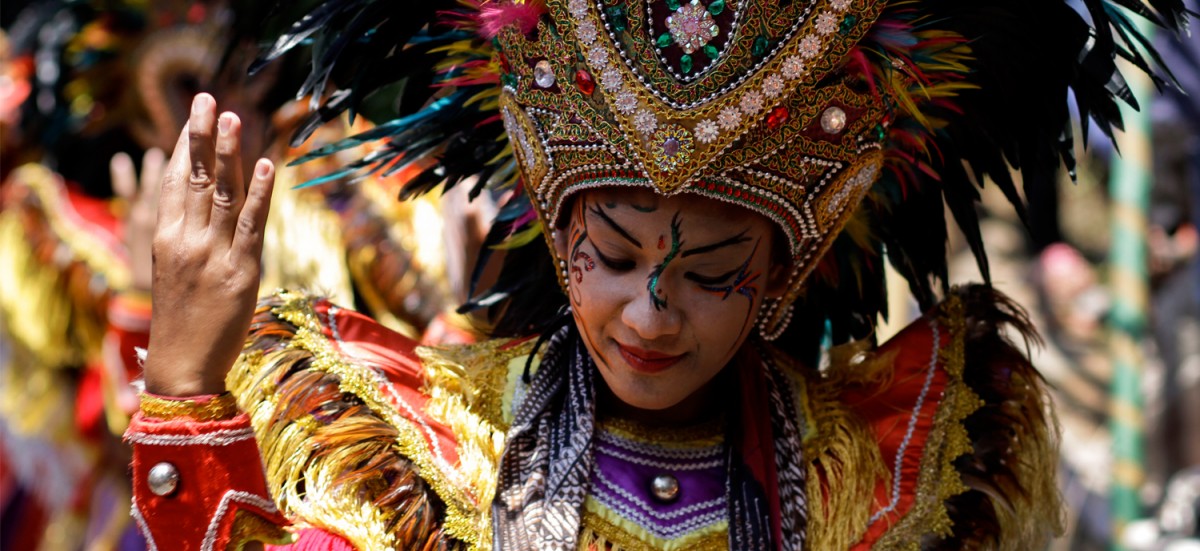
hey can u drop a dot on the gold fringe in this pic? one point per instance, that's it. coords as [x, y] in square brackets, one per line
[844, 461]
[306, 481]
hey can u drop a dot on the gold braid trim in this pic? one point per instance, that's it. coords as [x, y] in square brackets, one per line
[599, 533]
[249, 527]
[217, 408]
[329, 472]
[938, 478]
[844, 461]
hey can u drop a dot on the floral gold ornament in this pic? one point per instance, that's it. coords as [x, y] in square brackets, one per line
[673, 146]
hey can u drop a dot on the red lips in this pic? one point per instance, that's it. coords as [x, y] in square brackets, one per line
[647, 361]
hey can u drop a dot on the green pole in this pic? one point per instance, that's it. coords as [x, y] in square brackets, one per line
[1127, 278]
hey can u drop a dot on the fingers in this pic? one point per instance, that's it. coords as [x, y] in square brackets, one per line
[152, 173]
[197, 203]
[124, 183]
[230, 190]
[174, 186]
[248, 239]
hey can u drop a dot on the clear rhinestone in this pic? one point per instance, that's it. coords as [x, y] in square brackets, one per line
[586, 31]
[833, 120]
[645, 121]
[793, 68]
[578, 8]
[665, 488]
[706, 131]
[692, 26]
[627, 102]
[611, 79]
[729, 118]
[598, 56]
[163, 479]
[840, 5]
[751, 102]
[827, 23]
[772, 86]
[543, 74]
[810, 46]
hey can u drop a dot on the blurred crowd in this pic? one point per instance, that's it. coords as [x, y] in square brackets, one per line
[93, 93]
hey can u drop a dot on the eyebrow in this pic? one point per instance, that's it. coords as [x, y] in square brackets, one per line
[739, 238]
[616, 227]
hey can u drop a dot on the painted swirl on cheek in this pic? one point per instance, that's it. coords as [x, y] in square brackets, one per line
[578, 237]
[745, 283]
[656, 299]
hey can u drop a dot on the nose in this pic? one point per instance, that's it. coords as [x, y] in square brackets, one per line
[652, 322]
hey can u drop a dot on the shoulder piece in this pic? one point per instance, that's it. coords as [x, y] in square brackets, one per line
[367, 436]
[942, 438]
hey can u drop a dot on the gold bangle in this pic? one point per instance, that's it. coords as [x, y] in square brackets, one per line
[219, 407]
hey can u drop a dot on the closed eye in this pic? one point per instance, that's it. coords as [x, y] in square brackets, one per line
[616, 265]
[705, 280]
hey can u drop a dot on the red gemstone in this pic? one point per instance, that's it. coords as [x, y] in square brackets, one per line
[585, 82]
[778, 116]
[504, 64]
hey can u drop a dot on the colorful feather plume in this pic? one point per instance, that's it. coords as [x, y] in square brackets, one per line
[979, 91]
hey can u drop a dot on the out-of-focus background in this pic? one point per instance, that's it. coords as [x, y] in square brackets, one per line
[91, 92]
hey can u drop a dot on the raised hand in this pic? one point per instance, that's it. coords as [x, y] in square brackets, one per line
[207, 247]
[142, 202]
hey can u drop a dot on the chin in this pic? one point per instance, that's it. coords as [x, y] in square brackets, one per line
[645, 398]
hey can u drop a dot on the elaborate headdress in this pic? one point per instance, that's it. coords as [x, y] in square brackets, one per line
[822, 115]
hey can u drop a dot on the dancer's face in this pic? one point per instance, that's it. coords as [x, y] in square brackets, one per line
[665, 290]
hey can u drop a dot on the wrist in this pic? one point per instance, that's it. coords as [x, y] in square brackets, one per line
[179, 380]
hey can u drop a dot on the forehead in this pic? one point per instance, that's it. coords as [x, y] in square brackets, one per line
[697, 213]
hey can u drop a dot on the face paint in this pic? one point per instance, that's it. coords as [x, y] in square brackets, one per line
[661, 302]
[578, 237]
[745, 283]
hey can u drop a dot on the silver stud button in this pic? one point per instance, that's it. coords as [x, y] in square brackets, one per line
[163, 479]
[665, 488]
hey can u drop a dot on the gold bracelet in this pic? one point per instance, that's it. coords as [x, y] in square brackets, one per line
[219, 407]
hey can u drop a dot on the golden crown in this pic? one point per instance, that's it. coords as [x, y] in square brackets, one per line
[744, 101]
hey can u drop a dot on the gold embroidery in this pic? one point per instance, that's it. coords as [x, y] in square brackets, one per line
[937, 478]
[465, 490]
[606, 532]
[215, 409]
[706, 434]
[844, 461]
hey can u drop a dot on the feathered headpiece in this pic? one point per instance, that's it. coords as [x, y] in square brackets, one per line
[851, 124]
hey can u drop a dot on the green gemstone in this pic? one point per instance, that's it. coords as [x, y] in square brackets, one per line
[664, 40]
[848, 24]
[672, 5]
[509, 80]
[880, 133]
[616, 18]
[759, 49]
[716, 7]
[685, 64]
[711, 51]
